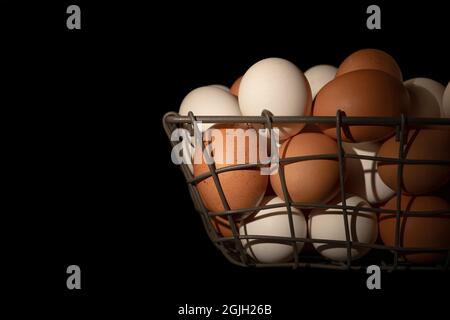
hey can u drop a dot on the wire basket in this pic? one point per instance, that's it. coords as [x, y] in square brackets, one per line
[386, 257]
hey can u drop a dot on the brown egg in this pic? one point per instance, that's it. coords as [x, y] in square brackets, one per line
[242, 188]
[370, 59]
[234, 89]
[310, 180]
[222, 226]
[424, 144]
[418, 231]
[363, 93]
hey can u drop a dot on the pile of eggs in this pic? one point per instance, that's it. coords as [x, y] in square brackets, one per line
[368, 83]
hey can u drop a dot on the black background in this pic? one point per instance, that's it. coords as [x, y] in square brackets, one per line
[93, 183]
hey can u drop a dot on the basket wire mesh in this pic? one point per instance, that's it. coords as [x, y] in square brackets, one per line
[232, 247]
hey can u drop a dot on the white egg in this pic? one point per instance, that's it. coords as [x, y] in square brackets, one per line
[329, 225]
[362, 174]
[446, 102]
[207, 101]
[220, 86]
[279, 86]
[318, 76]
[426, 98]
[210, 101]
[272, 222]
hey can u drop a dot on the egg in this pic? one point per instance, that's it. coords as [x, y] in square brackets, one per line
[310, 180]
[273, 222]
[213, 100]
[362, 175]
[329, 224]
[370, 59]
[446, 102]
[279, 86]
[418, 231]
[220, 86]
[362, 93]
[234, 89]
[424, 144]
[426, 98]
[318, 76]
[242, 188]
[210, 101]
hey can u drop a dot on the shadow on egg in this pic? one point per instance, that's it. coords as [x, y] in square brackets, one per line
[330, 225]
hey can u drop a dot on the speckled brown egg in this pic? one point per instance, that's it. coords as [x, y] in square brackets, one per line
[362, 93]
[418, 231]
[424, 144]
[370, 59]
[310, 180]
[234, 89]
[242, 188]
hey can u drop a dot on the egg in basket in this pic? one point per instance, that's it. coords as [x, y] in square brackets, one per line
[332, 168]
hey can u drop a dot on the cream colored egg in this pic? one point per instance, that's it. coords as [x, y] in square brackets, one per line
[272, 222]
[318, 76]
[446, 102]
[207, 101]
[276, 85]
[329, 225]
[426, 98]
[220, 86]
[362, 174]
[210, 101]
